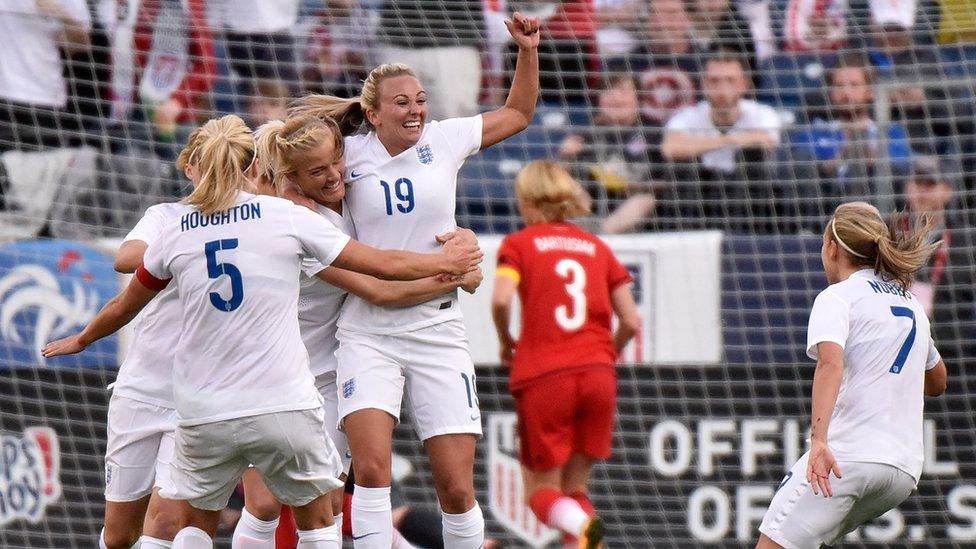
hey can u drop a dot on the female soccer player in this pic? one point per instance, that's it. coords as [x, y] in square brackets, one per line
[307, 152]
[402, 176]
[245, 393]
[141, 415]
[570, 285]
[875, 360]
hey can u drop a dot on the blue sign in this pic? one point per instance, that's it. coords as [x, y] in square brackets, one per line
[51, 289]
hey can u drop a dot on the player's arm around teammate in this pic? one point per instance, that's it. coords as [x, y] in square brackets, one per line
[875, 361]
[569, 285]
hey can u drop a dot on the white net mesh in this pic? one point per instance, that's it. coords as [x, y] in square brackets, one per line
[864, 99]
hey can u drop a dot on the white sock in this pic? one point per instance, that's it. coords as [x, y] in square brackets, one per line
[322, 538]
[148, 542]
[372, 518]
[337, 519]
[400, 542]
[192, 537]
[567, 515]
[254, 533]
[464, 531]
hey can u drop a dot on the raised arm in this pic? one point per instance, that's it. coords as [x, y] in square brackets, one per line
[389, 293]
[624, 306]
[516, 114]
[826, 386]
[118, 312]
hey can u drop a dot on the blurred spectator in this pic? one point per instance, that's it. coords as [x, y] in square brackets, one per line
[268, 102]
[844, 144]
[893, 12]
[718, 25]
[260, 43]
[945, 286]
[610, 158]
[619, 26]
[815, 25]
[162, 61]
[440, 41]
[567, 52]
[957, 21]
[33, 93]
[722, 144]
[667, 69]
[335, 49]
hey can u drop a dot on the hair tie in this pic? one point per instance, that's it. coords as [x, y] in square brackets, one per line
[833, 229]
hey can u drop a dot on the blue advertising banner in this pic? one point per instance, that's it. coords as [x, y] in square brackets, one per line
[50, 289]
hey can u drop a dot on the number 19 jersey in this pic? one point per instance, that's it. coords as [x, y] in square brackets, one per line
[403, 202]
[237, 274]
[887, 348]
[565, 277]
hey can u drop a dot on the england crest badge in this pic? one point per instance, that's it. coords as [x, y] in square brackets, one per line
[424, 154]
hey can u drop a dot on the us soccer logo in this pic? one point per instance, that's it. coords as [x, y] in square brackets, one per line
[506, 495]
[30, 474]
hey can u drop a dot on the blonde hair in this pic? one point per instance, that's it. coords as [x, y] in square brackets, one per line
[280, 144]
[221, 151]
[890, 248]
[350, 114]
[548, 187]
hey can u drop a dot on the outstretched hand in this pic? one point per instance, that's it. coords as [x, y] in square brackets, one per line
[524, 30]
[67, 346]
[819, 466]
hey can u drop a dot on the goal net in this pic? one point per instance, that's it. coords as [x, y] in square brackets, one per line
[717, 211]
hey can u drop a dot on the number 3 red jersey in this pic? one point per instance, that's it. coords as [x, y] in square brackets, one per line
[565, 277]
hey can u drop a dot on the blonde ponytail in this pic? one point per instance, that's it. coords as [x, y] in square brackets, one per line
[221, 151]
[893, 249]
[548, 187]
[350, 114]
[281, 144]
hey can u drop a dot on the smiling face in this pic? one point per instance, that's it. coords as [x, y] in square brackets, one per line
[319, 173]
[400, 113]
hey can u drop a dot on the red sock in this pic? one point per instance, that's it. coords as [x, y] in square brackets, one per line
[347, 515]
[584, 502]
[541, 502]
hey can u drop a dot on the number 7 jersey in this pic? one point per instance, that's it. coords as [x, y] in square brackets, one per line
[565, 277]
[887, 347]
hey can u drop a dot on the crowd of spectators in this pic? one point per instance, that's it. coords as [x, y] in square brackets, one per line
[744, 115]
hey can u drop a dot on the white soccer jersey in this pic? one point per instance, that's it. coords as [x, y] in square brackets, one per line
[887, 349]
[146, 374]
[403, 202]
[319, 304]
[236, 271]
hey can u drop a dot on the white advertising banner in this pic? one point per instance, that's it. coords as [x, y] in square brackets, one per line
[677, 286]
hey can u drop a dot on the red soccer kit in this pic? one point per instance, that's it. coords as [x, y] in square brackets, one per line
[563, 376]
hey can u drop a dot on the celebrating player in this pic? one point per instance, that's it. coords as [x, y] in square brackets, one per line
[569, 284]
[875, 360]
[141, 415]
[307, 152]
[403, 180]
[245, 393]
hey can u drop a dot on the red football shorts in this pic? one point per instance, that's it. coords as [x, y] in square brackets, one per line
[566, 413]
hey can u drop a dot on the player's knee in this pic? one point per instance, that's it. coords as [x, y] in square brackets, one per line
[121, 537]
[264, 508]
[163, 524]
[456, 496]
[373, 471]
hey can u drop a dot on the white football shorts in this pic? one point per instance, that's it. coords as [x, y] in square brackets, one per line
[139, 448]
[326, 384]
[798, 519]
[432, 363]
[291, 450]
